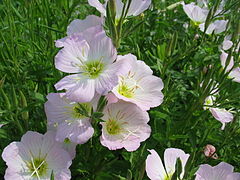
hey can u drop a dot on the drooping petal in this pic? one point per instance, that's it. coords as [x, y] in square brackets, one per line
[170, 159]
[100, 7]
[221, 115]
[154, 166]
[227, 44]
[138, 6]
[235, 74]
[195, 13]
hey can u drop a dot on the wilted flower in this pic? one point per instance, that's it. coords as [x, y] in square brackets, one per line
[138, 85]
[223, 171]
[37, 156]
[157, 171]
[124, 126]
[92, 63]
[136, 7]
[209, 151]
[67, 117]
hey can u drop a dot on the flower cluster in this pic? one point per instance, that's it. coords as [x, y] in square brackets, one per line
[198, 13]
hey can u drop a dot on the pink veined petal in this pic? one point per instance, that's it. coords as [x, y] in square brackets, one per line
[170, 159]
[70, 59]
[78, 132]
[100, 7]
[11, 174]
[57, 108]
[78, 26]
[154, 166]
[221, 115]
[109, 78]
[219, 172]
[78, 89]
[233, 176]
[102, 49]
[138, 6]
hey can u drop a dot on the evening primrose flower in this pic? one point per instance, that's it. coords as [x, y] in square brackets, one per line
[67, 118]
[36, 157]
[138, 85]
[157, 171]
[222, 171]
[124, 126]
[136, 7]
[92, 62]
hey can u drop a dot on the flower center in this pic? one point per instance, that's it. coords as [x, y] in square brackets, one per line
[127, 87]
[80, 110]
[37, 167]
[113, 127]
[93, 69]
[67, 141]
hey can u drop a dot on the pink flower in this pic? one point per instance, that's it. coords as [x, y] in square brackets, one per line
[138, 85]
[155, 168]
[209, 151]
[92, 62]
[124, 126]
[36, 157]
[136, 7]
[223, 171]
[69, 122]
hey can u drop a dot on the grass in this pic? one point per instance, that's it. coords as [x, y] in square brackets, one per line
[27, 74]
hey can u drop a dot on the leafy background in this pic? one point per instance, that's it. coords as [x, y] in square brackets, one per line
[178, 55]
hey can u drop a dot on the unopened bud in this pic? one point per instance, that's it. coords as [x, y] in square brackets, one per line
[209, 151]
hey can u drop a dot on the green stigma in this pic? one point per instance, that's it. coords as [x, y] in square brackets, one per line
[67, 141]
[113, 127]
[93, 69]
[80, 108]
[124, 90]
[37, 167]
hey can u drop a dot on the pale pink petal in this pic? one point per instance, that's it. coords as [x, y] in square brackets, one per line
[235, 74]
[219, 172]
[70, 59]
[154, 166]
[111, 98]
[138, 6]
[195, 13]
[100, 7]
[78, 89]
[227, 44]
[233, 176]
[78, 25]
[221, 115]
[170, 159]
[223, 58]
[79, 131]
